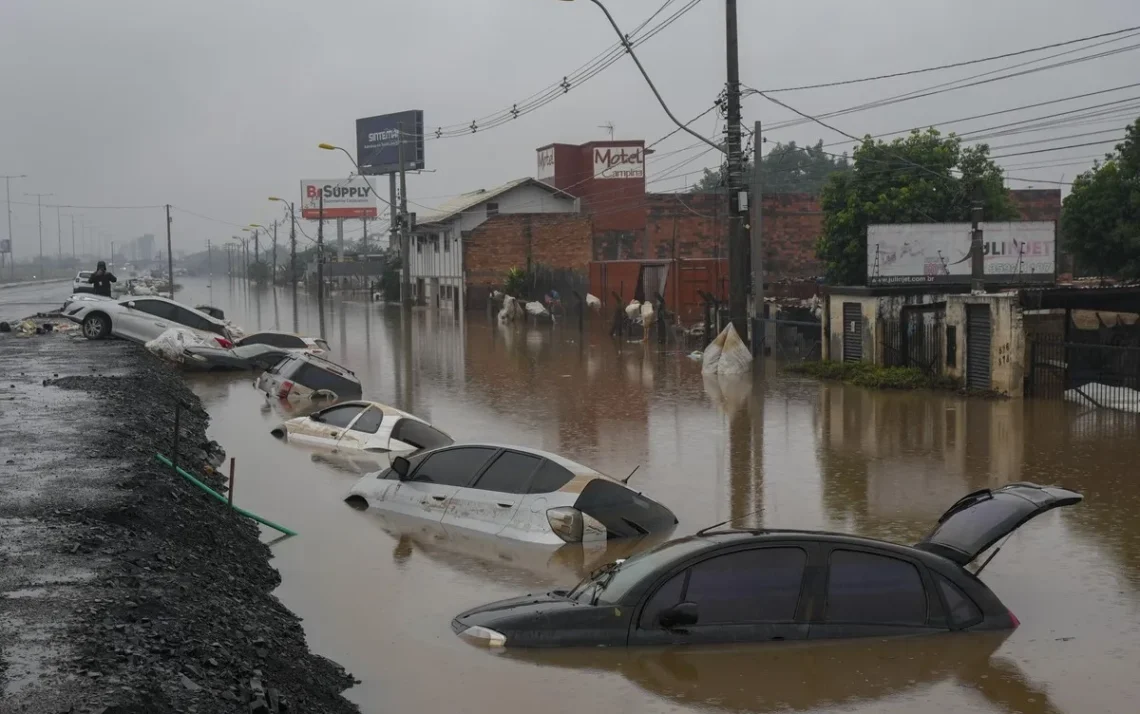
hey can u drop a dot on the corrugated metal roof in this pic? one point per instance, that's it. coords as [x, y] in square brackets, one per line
[466, 201]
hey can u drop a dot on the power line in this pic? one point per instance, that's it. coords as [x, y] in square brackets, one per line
[993, 58]
[1058, 148]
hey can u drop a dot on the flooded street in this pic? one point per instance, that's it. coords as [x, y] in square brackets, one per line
[778, 451]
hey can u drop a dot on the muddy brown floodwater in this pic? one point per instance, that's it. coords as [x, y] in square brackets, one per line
[775, 450]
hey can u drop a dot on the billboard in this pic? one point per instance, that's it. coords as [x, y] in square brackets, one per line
[343, 198]
[619, 162]
[545, 164]
[939, 253]
[378, 142]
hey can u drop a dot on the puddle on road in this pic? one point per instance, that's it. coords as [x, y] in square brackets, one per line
[378, 595]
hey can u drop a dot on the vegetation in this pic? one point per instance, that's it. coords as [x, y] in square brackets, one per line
[1101, 216]
[786, 168]
[923, 178]
[873, 376]
[515, 283]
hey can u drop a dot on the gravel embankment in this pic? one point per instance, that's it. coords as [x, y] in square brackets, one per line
[123, 588]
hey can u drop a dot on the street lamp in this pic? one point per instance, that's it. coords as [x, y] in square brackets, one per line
[8, 205]
[40, 219]
[292, 242]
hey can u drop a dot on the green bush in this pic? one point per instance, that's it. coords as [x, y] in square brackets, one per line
[873, 376]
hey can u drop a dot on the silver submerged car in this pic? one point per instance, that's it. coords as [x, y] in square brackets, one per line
[304, 377]
[512, 492]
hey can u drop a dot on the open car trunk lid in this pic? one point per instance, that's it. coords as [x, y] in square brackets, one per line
[982, 518]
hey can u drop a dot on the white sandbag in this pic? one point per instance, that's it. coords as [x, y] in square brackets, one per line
[648, 316]
[170, 344]
[633, 309]
[727, 354]
[593, 302]
[510, 311]
[536, 308]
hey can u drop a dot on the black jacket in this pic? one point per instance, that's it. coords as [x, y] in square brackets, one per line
[102, 280]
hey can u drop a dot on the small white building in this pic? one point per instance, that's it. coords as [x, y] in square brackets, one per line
[437, 243]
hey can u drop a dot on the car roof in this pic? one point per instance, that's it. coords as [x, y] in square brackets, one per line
[321, 362]
[389, 411]
[573, 466]
[761, 535]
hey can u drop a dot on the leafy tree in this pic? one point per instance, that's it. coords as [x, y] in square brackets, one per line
[1101, 216]
[923, 178]
[786, 168]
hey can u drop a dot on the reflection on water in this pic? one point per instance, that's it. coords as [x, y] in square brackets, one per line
[770, 449]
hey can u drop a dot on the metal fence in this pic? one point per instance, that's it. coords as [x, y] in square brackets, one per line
[794, 340]
[1106, 376]
[913, 343]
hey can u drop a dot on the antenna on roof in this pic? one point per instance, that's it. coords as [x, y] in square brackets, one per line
[714, 526]
[608, 126]
[631, 473]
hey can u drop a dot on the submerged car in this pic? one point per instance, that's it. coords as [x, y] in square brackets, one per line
[83, 297]
[512, 492]
[242, 357]
[768, 585]
[287, 341]
[143, 319]
[82, 282]
[362, 426]
[301, 377]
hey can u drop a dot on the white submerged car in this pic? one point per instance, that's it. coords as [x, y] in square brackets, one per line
[142, 319]
[512, 492]
[362, 427]
[286, 341]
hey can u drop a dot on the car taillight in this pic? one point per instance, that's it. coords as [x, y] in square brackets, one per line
[286, 387]
[566, 523]
[1013, 620]
[224, 343]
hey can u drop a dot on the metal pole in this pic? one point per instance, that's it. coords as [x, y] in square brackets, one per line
[11, 242]
[40, 217]
[273, 275]
[321, 262]
[169, 253]
[393, 225]
[209, 260]
[293, 251]
[230, 492]
[73, 255]
[364, 235]
[738, 264]
[59, 235]
[757, 233]
[256, 249]
[977, 258]
[340, 240]
[405, 235]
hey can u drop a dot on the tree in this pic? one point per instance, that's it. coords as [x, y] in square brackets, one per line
[1101, 216]
[786, 168]
[923, 178]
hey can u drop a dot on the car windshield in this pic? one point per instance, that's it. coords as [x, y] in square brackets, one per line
[610, 583]
[85, 274]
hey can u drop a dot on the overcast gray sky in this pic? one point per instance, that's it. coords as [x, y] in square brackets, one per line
[214, 105]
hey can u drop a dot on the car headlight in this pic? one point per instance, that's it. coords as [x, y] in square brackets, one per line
[484, 636]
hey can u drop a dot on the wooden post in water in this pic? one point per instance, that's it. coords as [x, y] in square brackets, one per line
[177, 419]
[230, 492]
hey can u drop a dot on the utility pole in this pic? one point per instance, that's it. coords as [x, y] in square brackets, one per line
[393, 225]
[59, 234]
[11, 241]
[73, 255]
[273, 275]
[209, 261]
[364, 235]
[293, 250]
[40, 218]
[169, 252]
[757, 234]
[737, 240]
[977, 257]
[321, 261]
[257, 251]
[405, 236]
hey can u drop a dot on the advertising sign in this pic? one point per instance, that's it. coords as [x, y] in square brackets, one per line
[343, 198]
[378, 142]
[545, 164]
[619, 162]
[918, 253]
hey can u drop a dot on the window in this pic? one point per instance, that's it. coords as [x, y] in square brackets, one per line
[316, 378]
[446, 243]
[192, 319]
[760, 585]
[869, 588]
[419, 245]
[492, 209]
[419, 435]
[369, 422]
[550, 478]
[435, 242]
[158, 308]
[960, 609]
[454, 467]
[509, 474]
[339, 416]
[951, 345]
[321, 344]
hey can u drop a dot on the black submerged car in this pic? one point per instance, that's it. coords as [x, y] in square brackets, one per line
[765, 585]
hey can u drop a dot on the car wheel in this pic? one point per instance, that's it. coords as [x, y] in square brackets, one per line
[96, 326]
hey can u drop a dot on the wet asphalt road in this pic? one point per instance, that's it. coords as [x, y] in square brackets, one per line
[777, 450]
[24, 300]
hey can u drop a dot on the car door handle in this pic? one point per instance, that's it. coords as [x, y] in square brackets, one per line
[504, 504]
[439, 498]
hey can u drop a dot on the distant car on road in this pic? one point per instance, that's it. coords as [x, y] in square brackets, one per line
[512, 492]
[81, 284]
[362, 426]
[210, 358]
[142, 319]
[304, 376]
[286, 340]
[769, 585]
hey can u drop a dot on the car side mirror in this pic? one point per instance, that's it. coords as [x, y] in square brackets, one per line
[401, 466]
[680, 615]
[316, 417]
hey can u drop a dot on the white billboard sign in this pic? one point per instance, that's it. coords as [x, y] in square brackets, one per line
[343, 198]
[619, 162]
[545, 164]
[916, 253]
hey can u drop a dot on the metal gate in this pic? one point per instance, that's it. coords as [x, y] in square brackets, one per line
[852, 332]
[978, 339]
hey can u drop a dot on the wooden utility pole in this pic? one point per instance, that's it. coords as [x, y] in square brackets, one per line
[321, 261]
[738, 263]
[977, 255]
[757, 234]
[169, 253]
[405, 234]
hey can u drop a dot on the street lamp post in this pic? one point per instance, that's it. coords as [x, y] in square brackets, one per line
[40, 219]
[292, 242]
[8, 205]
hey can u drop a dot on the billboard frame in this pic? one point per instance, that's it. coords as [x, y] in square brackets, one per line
[377, 146]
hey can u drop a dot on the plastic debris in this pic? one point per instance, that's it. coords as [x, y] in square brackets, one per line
[696, 355]
[593, 302]
[170, 345]
[727, 354]
[633, 310]
[648, 316]
[510, 311]
[536, 308]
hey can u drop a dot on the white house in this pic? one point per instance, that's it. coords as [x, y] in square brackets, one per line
[437, 242]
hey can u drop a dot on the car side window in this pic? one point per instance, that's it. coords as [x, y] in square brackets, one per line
[960, 609]
[339, 416]
[758, 585]
[866, 588]
[550, 478]
[419, 435]
[157, 308]
[510, 473]
[369, 422]
[453, 467]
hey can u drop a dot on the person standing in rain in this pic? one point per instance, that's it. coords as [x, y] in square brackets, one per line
[102, 279]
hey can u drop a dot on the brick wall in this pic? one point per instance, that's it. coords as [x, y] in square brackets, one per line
[1038, 204]
[520, 240]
